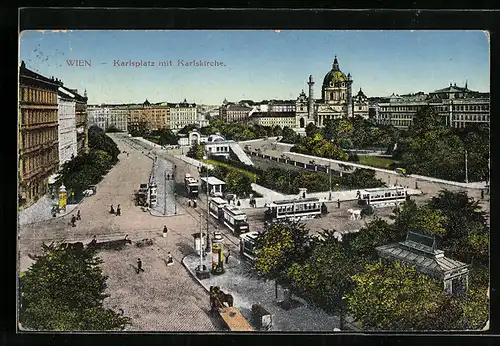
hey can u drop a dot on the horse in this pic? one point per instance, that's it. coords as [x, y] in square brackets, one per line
[218, 298]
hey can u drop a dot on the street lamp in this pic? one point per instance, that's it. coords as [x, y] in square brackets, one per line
[165, 193]
[205, 157]
[330, 189]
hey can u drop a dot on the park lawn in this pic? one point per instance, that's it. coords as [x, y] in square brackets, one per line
[251, 175]
[376, 161]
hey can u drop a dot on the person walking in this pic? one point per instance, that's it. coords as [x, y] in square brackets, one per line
[73, 221]
[239, 203]
[139, 266]
[165, 230]
[78, 216]
[338, 203]
[482, 194]
[228, 253]
[112, 210]
[170, 260]
[118, 211]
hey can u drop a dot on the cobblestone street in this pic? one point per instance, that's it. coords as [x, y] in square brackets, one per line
[160, 299]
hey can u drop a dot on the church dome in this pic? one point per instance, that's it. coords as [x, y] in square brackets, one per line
[335, 75]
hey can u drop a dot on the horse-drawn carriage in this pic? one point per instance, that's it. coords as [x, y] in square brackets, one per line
[222, 304]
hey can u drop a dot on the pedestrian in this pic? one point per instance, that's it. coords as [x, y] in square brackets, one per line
[338, 203]
[112, 210]
[228, 253]
[189, 202]
[482, 194]
[169, 258]
[239, 203]
[194, 203]
[303, 195]
[127, 154]
[168, 176]
[78, 216]
[118, 211]
[358, 194]
[139, 266]
[165, 230]
[73, 221]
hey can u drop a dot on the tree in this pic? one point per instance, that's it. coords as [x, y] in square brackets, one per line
[421, 219]
[166, 136]
[289, 135]
[188, 128]
[280, 246]
[312, 130]
[64, 290]
[113, 128]
[427, 118]
[196, 151]
[394, 297]
[329, 130]
[376, 233]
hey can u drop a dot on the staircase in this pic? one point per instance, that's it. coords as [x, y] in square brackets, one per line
[242, 156]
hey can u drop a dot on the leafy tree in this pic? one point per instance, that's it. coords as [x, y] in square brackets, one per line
[312, 130]
[376, 233]
[188, 128]
[394, 297]
[196, 151]
[64, 290]
[422, 219]
[166, 136]
[361, 178]
[329, 129]
[280, 246]
[427, 118]
[140, 130]
[289, 135]
[326, 275]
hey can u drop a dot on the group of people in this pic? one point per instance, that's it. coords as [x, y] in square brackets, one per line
[74, 218]
[118, 210]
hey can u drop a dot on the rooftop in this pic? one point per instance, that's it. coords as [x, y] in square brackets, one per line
[212, 181]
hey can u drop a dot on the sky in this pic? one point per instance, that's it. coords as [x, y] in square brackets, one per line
[254, 64]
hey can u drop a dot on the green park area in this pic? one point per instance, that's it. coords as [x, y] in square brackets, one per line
[377, 161]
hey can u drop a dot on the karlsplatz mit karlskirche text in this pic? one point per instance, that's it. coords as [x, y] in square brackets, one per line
[179, 62]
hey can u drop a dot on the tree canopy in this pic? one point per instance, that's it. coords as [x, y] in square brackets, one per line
[64, 290]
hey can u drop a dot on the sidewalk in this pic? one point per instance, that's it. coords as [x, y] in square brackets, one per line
[41, 210]
[247, 290]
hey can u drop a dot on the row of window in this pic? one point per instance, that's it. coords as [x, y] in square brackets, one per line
[219, 149]
[39, 188]
[43, 160]
[471, 107]
[32, 138]
[38, 116]
[35, 95]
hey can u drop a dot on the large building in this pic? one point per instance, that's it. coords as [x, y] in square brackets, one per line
[336, 100]
[230, 112]
[66, 104]
[82, 135]
[458, 106]
[38, 134]
[118, 118]
[182, 114]
[98, 116]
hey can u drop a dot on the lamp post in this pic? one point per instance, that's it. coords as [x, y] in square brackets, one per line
[466, 173]
[330, 189]
[205, 157]
[165, 194]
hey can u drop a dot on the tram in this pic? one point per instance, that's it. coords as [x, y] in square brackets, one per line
[235, 219]
[216, 206]
[383, 196]
[297, 209]
[191, 185]
[247, 245]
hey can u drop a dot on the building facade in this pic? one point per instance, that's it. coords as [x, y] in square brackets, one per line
[459, 106]
[229, 112]
[98, 116]
[66, 106]
[281, 119]
[38, 134]
[336, 100]
[182, 114]
[82, 134]
[118, 118]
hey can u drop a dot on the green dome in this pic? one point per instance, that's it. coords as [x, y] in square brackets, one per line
[335, 75]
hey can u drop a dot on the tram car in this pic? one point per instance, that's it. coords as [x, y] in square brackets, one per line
[297, 209]
[247, 245]
[235, 219]
[191, 185]
[216, 206]
[383, 196]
